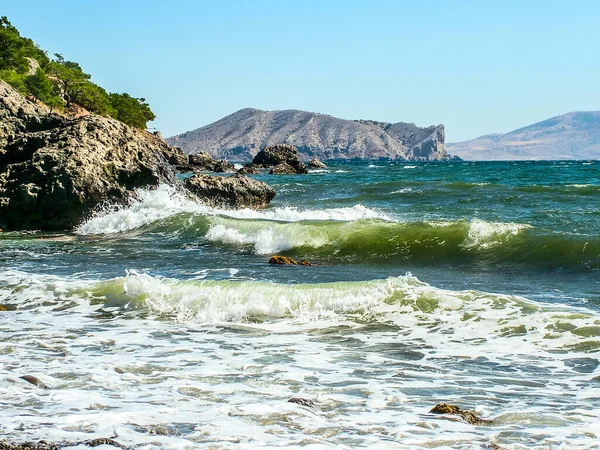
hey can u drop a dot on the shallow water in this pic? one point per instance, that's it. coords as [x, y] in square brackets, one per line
[468, 283]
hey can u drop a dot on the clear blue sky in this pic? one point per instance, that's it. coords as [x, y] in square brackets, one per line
[475, 66]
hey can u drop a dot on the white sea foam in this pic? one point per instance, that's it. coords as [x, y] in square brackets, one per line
[218, 366]
[165, 201]
[484, 235]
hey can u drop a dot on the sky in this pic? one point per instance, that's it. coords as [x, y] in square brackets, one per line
[477, 67]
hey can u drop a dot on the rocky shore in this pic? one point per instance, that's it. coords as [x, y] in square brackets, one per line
[55, 170]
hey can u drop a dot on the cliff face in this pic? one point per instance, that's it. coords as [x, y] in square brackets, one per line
[574, 135]
[54, 170]
[241, 135]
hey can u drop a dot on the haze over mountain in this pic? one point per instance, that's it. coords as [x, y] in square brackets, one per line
[242, 134]
[575, 135]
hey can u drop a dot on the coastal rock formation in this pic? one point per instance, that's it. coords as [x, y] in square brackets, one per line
[54, 170]
[284, 157]
[236, 191]
[202, 161]
[574, 135]
[241, 135]
[316, 164]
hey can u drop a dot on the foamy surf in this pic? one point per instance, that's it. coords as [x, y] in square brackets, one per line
[165, 363]
[150, 206]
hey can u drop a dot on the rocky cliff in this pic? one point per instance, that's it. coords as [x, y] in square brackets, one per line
[574, 135]
[55, 170]
[241, 135]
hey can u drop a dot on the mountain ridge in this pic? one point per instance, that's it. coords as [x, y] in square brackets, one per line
[573, 135]
[240, 135]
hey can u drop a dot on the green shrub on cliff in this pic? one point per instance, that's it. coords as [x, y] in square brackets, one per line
[132, 111]
[58, 81]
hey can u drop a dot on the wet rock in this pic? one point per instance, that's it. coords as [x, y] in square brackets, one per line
[55, 171]
[317, 164]
[467, 416]
[302, 401]
[278, 259]
[223, 166]
[283, 169]
[44, 445]
[237, 191]
[280, 154]
[35, 381]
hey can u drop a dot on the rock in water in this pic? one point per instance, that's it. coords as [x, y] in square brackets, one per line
[248, 169]
[302, 401]
[283, 169]
[236, 191]
[468, 416]
[54, 171]
[317, 164]
[278, 259]
[280, 154]
[223, 166]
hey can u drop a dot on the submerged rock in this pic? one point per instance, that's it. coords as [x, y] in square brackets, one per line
[467, 416]
[302, 401]
[54, 171]
[44, 445]
[35, 381]
[317, 164]
[278, 259]
[236, 191]
[280, 154]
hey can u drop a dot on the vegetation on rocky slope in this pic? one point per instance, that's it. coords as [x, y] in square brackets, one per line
[60, 83]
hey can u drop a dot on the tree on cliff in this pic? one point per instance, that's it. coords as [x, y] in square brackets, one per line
[60, 79]
[39, 86]
[132, 111]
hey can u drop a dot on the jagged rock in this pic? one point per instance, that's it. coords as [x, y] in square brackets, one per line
[174, 155]
[223, 166]
[54, 171]
[283, 169]
[276, 155]
[317, 164]
[236, 191]
[467, 416]
[278, 259]
[202, 161]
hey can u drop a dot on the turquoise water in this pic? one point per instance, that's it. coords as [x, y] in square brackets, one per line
[466, 282]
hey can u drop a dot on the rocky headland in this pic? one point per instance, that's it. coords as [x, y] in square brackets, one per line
[240, 136]
[55, 170]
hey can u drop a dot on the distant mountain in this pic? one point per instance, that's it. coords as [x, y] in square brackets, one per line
[241, 135]
[574, 135]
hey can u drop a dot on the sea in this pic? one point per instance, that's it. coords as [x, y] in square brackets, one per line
[162, 325]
